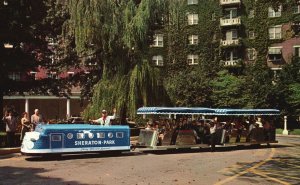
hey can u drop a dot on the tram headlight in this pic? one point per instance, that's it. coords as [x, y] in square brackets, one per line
[30, 144]
[35, 136]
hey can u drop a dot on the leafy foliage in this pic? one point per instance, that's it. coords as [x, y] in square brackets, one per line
[189, 88]
[229, 91]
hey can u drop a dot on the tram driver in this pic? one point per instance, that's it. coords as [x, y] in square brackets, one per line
[105, 120]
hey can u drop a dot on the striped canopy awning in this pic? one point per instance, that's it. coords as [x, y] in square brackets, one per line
[175, 110]
[247, 112]
[205, 111]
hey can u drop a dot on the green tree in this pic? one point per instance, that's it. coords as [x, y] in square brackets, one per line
[116, 35]
[189, 88]
[24, 47]
[20, 42]
[289, 83]
[229, 90]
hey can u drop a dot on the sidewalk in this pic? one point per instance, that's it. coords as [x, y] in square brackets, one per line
[5, 151]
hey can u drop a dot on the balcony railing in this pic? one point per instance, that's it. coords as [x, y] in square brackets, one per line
[230, 42]
[230, 22]
[229, 2]
[231, 62]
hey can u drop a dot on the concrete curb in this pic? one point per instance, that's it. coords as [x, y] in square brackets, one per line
[281, 135]
[5, 151]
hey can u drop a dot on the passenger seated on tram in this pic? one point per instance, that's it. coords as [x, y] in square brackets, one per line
[176, 130]
[148, 126]
[167, 125]
[155, 126]
[184, 124]
[202, 132]
[239, 129]
[206, 133]
[250, 129]
[161, 134]
[267, 130]
[196, 126]
[259, 122]
[227, 127]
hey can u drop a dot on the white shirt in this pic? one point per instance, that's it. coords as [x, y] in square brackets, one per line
[260, 125]
[106, 122]
[213, 129]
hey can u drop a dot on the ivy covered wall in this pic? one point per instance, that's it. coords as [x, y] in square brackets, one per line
[119, 34]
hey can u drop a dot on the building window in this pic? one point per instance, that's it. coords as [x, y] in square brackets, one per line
[231, 56]
[275, 32]
[251, 54]
[231, 13]
[193, 59]
[296, 9]
[296, 27]
[70, 74]
[52, 58]
[52, 75]
[274, 13]
[231, 35]
[189, 2]
[193, 39]
[15, 76]
[297, 51]
[276, 72]
[33, 75]
[251, 13]
[274, 54]
[158, 40]
[158, 60]
[251, 34]
[192, 19]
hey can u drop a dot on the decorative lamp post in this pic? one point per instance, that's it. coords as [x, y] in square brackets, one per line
[285, 131]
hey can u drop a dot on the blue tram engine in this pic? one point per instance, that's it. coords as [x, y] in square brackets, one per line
[76, 138]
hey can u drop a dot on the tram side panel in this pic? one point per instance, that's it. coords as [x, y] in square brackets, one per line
[257, 135]
[70, 141]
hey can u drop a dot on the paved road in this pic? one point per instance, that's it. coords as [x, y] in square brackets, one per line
[279, 164]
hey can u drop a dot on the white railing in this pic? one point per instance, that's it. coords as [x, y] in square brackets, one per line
[231, 63]
[230, 42]
[230, 22]
[226, 2]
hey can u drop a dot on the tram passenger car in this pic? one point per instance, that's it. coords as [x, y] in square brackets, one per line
[188, 137]
[75, 138]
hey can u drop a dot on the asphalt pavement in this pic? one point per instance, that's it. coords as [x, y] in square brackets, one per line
[278, 164]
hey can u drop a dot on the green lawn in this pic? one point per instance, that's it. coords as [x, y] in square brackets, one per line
[295, 132]
[291, 132]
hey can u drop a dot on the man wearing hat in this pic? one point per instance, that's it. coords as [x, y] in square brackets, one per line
[105, 120]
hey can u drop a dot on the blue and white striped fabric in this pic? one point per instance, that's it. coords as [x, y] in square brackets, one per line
[175, 110]
[247, 111]
[205, 111]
